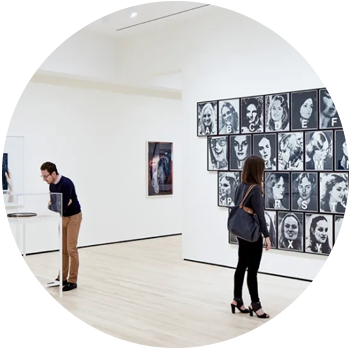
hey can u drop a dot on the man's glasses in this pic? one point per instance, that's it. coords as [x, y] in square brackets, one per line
[45, 176]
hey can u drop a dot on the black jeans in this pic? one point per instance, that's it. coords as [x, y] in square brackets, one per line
[249, 256]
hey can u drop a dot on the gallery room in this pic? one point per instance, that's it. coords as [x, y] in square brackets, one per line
[151, 112]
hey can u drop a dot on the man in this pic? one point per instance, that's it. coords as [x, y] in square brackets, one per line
[71, 220]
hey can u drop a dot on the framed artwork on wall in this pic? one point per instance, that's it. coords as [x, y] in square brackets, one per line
[338, 221]
[318, 233]
[329, 117]
[305, 191]
[291, 231]
[304, 111]
[160, 168]
[264, 145]
[240, 149]
[277, 194]
[252, 114]
[334, 189]
[227, 184]
[341, 159]
[299, 136]
[229, 116]
[217, 153]
[291, 151]
[319, 151]
[207, 119]
[277, 113]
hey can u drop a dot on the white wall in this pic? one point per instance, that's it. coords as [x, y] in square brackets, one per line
[222, 55]
[98, 139]
[233, 57]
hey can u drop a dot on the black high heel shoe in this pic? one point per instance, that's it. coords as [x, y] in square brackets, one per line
[255, 307]
[239, 302]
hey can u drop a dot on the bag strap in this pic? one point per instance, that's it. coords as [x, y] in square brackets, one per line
[245, 196]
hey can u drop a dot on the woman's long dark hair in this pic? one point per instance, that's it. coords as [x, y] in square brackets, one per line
[253, 170]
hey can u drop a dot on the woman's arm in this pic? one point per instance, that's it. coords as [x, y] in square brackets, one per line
[258, 207]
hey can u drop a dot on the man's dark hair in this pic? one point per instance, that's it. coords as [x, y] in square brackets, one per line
[49, 167]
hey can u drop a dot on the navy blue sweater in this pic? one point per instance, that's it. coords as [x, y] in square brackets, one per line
[66, 187]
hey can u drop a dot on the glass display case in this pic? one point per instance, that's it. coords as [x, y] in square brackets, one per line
[37, 219]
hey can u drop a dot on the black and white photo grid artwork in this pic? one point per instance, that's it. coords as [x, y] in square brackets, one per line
[299, 136]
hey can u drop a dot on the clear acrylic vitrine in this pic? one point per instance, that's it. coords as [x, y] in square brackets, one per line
[36, 224]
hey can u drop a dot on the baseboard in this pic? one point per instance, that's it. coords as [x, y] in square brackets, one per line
[107, 243]
[260, 272]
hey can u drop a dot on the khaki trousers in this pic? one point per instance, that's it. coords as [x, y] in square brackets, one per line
[70, 256]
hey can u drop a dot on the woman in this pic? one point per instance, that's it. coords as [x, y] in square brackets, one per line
[278, 114]
[343, 163]
[290, 232]
[334, 193]
[319, 239]
[304, 110]
[250, 253]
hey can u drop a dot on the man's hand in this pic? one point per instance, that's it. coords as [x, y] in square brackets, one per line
[267, 243]
[70, 201]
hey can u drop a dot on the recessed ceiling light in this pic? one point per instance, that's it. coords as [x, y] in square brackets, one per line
[133, 14]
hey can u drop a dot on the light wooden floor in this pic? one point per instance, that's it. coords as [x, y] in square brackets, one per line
[143, 292]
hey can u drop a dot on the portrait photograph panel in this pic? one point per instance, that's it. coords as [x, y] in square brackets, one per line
[227, 184]
[338, 221]
[240, 149]
[229, 116]
[277, 112]
[341, 161]
[271, 223]
[291, 151]
[304, 191]
[318, 233]
[304, 111]
[252, 114]
[319, 151]
[334, 189]
[329, 117]
[217, 153]
[290, 231]
[277, 192]
[160, 168]
[207, 119]
[264, 145]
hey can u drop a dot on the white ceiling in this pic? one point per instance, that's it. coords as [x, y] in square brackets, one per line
[120, 25]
